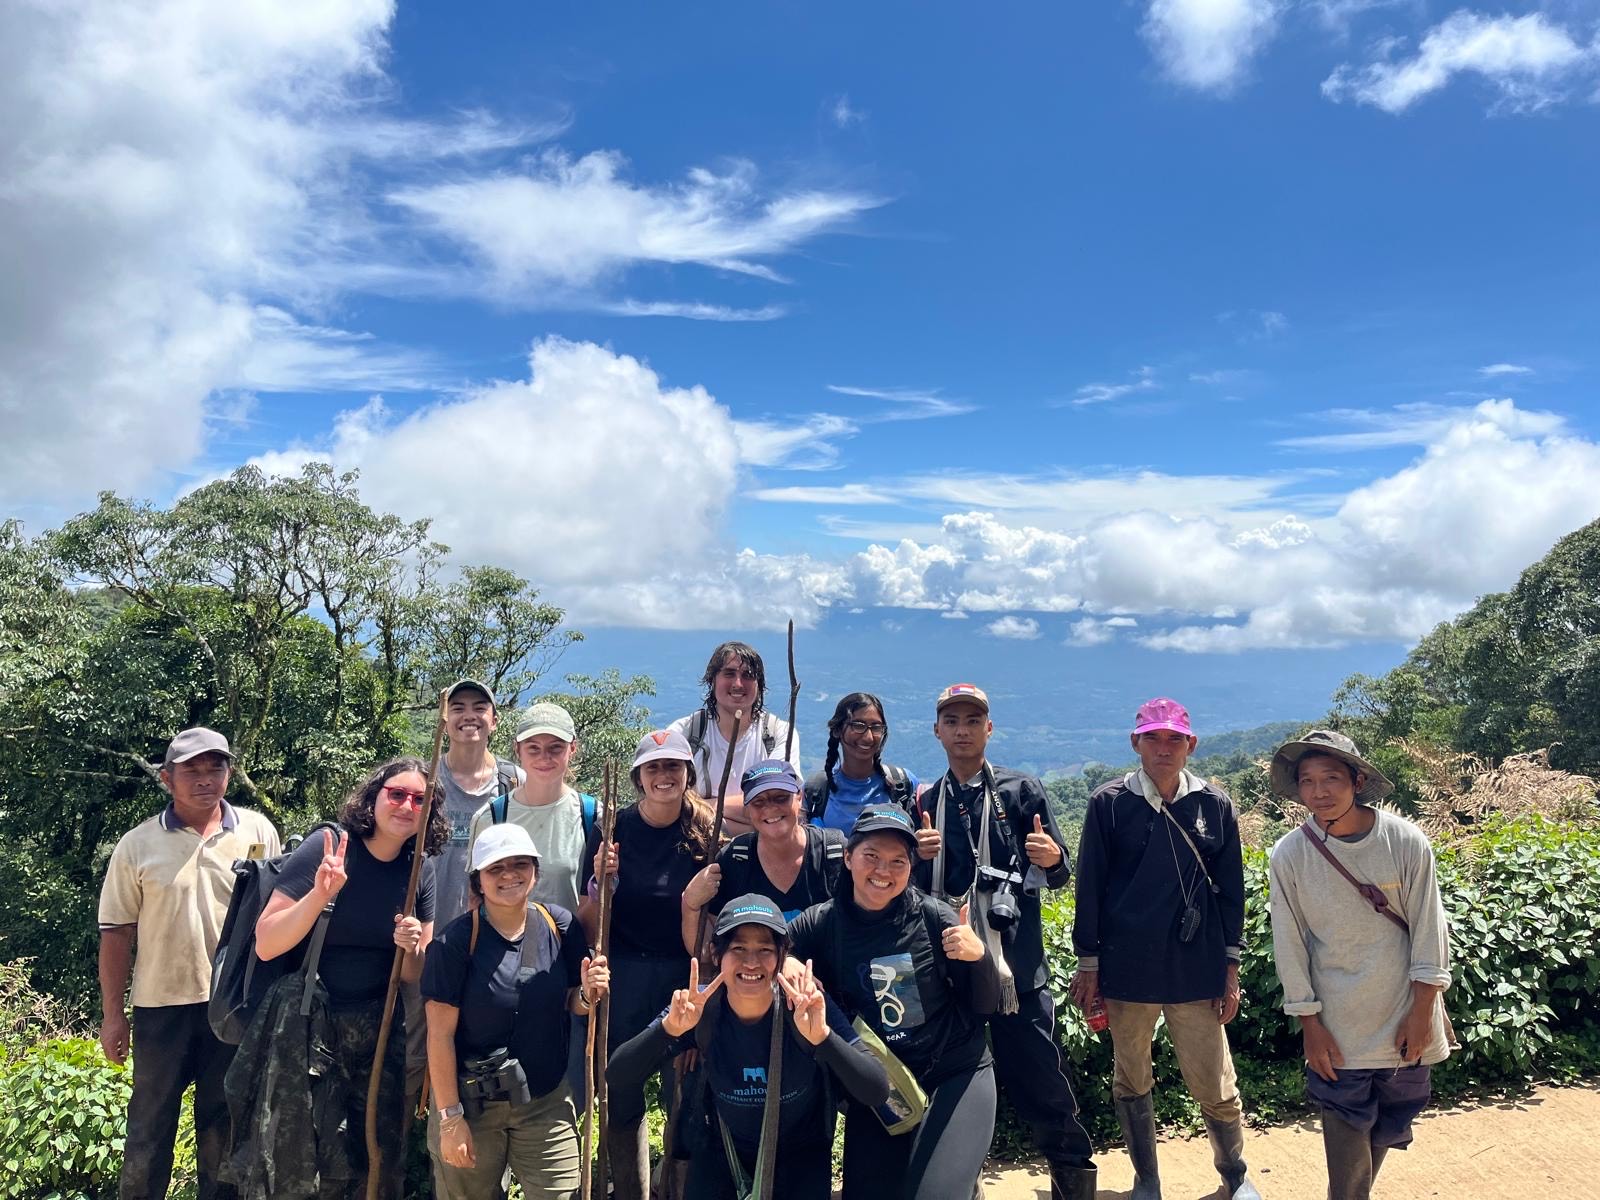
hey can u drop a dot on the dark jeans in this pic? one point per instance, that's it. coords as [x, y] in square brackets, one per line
[938, 1160]
[1383, 1102]
[173, 1046]
[1027, 1063]
[355, 1034]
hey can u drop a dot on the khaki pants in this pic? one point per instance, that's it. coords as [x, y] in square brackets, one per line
[1201, 1045]
[537, 1140]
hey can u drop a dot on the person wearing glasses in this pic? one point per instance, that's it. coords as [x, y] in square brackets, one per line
[909, 969]
[792, 864]
[363, 874]
[854, 774]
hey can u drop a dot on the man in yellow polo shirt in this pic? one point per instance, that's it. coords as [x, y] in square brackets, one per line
[167, 889]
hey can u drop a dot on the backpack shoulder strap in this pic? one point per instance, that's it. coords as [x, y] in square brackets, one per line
[816, 796]
[498, 807]
[769, 732]
[505, 775]
[898, 785]
[588, 807]
[548, 919]
[832, 857]
[696, 733]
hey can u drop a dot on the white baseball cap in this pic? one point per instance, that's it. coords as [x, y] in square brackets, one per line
[505, 840]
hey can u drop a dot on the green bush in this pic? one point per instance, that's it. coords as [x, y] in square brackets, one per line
[65, 1118]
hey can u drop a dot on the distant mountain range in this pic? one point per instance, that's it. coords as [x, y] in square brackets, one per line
[1055, 706]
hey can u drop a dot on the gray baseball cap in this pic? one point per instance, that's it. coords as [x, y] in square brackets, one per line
[192, 743]
[473, 684]
[751, 909]
[546, 717]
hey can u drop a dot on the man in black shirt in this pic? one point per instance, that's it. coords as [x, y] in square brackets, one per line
[1157, 927]
[988, 834]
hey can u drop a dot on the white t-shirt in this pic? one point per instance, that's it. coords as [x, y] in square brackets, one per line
[713, 754]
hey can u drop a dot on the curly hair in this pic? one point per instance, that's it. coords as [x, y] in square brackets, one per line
[847, 708]
[747, 656]
[696, 819]
[359, 816]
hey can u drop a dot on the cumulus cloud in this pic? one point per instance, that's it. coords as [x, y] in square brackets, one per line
[1208, 44]
[1494, 487]
[1529, 61]
[1020, 629]
[1092, 631]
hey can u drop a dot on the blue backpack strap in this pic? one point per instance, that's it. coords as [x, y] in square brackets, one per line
[590, 807]
[497, 808]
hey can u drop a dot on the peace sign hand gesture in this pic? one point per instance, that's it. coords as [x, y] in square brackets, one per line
[689, 1004]
[809, 1004]
[330, 875]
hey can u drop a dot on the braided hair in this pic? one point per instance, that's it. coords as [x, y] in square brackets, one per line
[747, 658]
[844, 711]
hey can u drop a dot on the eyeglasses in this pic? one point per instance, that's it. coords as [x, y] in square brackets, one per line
[400, 797]
[862, 728]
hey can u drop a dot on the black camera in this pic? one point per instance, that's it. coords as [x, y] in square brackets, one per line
[1189, 923]
[1002, 888]
[495, 1076]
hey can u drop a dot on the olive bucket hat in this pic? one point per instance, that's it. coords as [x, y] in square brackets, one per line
[1335, 745]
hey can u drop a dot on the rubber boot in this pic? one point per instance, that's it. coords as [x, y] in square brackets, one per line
[1072, 1183]
[1350, 1159]
[1137, 1116]
[1227, 1153]
[628, 1156]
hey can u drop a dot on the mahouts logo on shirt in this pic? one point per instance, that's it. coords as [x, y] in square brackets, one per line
[893, 983]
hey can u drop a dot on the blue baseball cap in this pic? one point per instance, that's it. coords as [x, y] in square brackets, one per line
[751, 909]
[770, 775]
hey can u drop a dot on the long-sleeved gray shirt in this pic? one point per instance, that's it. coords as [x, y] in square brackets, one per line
[1338, 957]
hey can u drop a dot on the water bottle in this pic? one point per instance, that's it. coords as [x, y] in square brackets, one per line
[1098, 1021]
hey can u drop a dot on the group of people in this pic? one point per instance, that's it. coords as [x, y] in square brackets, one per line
[862, 941]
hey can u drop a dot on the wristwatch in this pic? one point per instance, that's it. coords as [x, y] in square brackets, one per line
[451, 1110]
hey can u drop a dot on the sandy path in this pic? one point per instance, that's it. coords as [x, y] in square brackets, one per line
[1546, 1144]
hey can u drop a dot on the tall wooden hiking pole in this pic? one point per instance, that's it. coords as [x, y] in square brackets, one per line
[602, 1012]
[794, 696]
[716, 828]
[418, 849]
[591, 1069]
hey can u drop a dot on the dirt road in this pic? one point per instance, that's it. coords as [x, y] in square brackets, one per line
[1544, 1145]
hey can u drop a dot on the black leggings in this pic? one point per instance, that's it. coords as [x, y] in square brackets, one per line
[938, 1160]
[804, 1172]
[640, 989]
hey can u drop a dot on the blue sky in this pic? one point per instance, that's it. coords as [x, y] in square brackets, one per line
[1186, 328]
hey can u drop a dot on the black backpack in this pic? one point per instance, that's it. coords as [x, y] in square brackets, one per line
[239, 979]
[736, 875]
[896, 782]
[695, 735]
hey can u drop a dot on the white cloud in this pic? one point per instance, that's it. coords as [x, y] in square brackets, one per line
[1208, 44]
[691, 310]
[905, 404]
[565, 226]
[843, 113]
[841, 494]
[1528, 60]
[1021, 629]
[1504, 368]
[1421, 425]
[1144, 380]
[1494, 487]
[804, 446]
[954, 614]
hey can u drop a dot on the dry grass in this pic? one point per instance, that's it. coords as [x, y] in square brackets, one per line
[1458, 792]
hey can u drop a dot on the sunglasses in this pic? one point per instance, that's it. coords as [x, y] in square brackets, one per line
[400, 797]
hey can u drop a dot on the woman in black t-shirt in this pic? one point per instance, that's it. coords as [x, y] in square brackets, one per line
[363, 874]
[922, 980]
[499, 982]
[659, 843]
[730, 1023]
[792, 864]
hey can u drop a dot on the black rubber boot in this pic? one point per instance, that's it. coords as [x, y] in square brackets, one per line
[1072, 1183]
[1137, 1116]
[628, 1156]
[1227, 1153]
[1350, 1159]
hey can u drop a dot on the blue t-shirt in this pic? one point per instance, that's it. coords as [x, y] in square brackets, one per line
[850, 796]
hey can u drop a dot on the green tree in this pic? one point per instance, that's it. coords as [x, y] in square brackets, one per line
[609, 721]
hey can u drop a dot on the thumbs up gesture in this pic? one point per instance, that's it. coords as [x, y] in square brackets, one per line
[928, 840]
[1042, 849]
[961, 941]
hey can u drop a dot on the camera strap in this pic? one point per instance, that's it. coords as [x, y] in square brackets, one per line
[1166, 811]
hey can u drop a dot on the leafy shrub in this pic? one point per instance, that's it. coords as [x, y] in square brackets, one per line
[65, 1119]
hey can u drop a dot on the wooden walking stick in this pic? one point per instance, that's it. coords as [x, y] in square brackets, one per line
[594, 1070]
[794, 695]
[602, 1012]
[418, 849]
